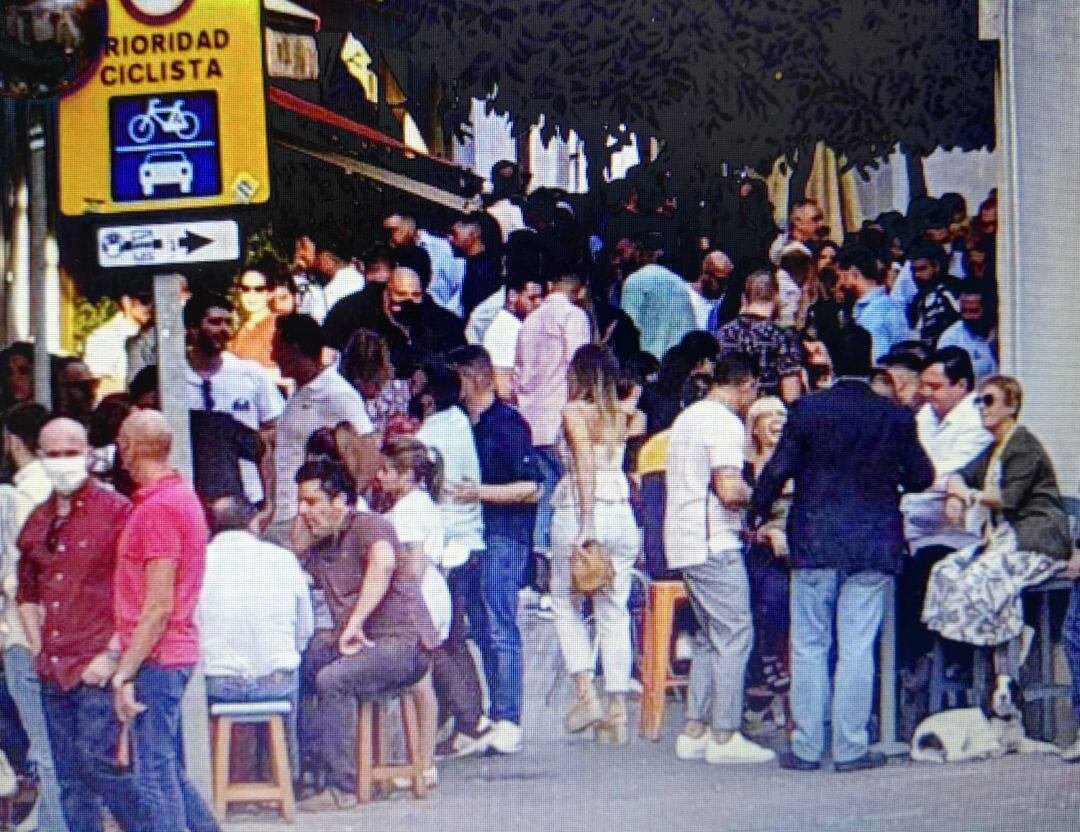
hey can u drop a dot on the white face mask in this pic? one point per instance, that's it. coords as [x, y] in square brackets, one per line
[67, 473]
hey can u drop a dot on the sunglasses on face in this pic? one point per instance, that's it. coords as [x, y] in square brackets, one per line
[986, 400]
[250, 290]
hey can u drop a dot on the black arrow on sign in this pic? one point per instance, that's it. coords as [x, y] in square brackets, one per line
[193, 242]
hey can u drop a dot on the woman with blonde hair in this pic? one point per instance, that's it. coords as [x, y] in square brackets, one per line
[1009, 492]
[592, 503]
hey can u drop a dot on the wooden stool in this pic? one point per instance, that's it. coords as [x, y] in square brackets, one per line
[1044, 689]
[223, 715]
[373, 763]
[660, 600]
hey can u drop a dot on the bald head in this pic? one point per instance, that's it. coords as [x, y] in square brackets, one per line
[145, 436]
[63, 437]
[717, 264]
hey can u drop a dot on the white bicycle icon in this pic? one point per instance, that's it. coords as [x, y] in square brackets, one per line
[173, 119]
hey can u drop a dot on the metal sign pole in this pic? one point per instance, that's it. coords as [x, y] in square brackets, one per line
[39, 229]
[172, 366]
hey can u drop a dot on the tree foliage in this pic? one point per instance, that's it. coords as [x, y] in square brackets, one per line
[719, 82]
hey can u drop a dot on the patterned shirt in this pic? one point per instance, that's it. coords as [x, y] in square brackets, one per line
[932, 312]
[774, 352]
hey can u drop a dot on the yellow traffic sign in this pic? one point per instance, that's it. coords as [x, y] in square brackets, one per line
[174, 117]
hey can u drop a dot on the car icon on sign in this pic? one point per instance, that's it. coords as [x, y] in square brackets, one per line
[170, 167]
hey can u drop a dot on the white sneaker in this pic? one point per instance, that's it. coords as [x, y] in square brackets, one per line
[507, 738]
[691, 748]
[1072, 753]
[737, 750]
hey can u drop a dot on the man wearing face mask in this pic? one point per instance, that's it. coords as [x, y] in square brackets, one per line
[411, 319]
[68, 555]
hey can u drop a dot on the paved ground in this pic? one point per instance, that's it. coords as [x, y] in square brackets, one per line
[571, 785]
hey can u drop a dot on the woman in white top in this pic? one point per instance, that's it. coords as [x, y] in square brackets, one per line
[592, 502]
[410, 475]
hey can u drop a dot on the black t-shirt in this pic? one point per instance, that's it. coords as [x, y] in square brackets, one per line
[505, 450]
[218, 443]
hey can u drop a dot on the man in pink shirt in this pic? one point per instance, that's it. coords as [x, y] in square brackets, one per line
[550, 336]
[161, 554]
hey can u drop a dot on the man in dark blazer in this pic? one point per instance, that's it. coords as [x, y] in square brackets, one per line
[851, 454]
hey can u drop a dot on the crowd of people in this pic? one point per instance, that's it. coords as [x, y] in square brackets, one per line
[388, 449]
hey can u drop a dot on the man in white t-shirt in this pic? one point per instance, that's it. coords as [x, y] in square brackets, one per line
[323, 399]
[217, 381]
[703, 522]
[522, 297]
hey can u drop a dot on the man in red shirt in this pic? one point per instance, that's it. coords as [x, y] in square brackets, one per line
[68, 553]
[160, 558]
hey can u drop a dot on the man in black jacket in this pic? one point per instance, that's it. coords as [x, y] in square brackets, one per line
[851, 454]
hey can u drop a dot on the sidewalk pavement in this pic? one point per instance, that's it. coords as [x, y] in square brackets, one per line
[569, 784]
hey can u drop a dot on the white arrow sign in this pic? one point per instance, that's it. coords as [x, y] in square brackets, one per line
[164, 244]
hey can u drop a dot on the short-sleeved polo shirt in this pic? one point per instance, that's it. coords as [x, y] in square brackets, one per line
[504, 447]
[166, 523]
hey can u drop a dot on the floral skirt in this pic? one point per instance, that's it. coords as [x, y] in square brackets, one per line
[973, 595]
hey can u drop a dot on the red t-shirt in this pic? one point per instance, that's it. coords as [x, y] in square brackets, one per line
[166, 522]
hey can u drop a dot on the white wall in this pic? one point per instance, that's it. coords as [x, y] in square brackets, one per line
[1039, 241]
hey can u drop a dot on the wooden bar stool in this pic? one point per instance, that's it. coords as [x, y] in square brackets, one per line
[223, 715]
[660, 600]
[373, 764]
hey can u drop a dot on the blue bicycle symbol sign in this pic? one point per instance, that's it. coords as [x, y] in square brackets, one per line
[173, 119]
[164, 146]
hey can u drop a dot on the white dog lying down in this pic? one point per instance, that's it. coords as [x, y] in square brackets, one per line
[993, 730]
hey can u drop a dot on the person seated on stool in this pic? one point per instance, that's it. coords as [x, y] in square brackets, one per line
[383, 637]
[254, 616]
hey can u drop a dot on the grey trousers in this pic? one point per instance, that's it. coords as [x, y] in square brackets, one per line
[720, 595]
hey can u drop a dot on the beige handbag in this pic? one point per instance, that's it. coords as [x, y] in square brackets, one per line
[591, 568]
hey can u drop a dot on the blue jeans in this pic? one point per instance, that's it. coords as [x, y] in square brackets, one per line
[551, 471]
[856, 603]
[173, 802]
[281, 684]
[504, 565]
[84, 734]
[25, 688]
[1070, 636]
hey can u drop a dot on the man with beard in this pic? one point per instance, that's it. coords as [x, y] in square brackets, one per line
[975, 332]
[322, 277]
[708, 289]
[233, 403]
[483, 275]
[862, 278]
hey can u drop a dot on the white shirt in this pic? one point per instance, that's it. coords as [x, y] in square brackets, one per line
[501, 339]
[702, 307]
[30, 488]
[324, 402]
[483, 316]
[706, 436]
[416, 521]
[105, 353]
[509, 217]
[982, 356]
[951, 443]
[254, 613]
[243, 390]
[348, 280]
[788, 299]
[447, 272]
[450, 433]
